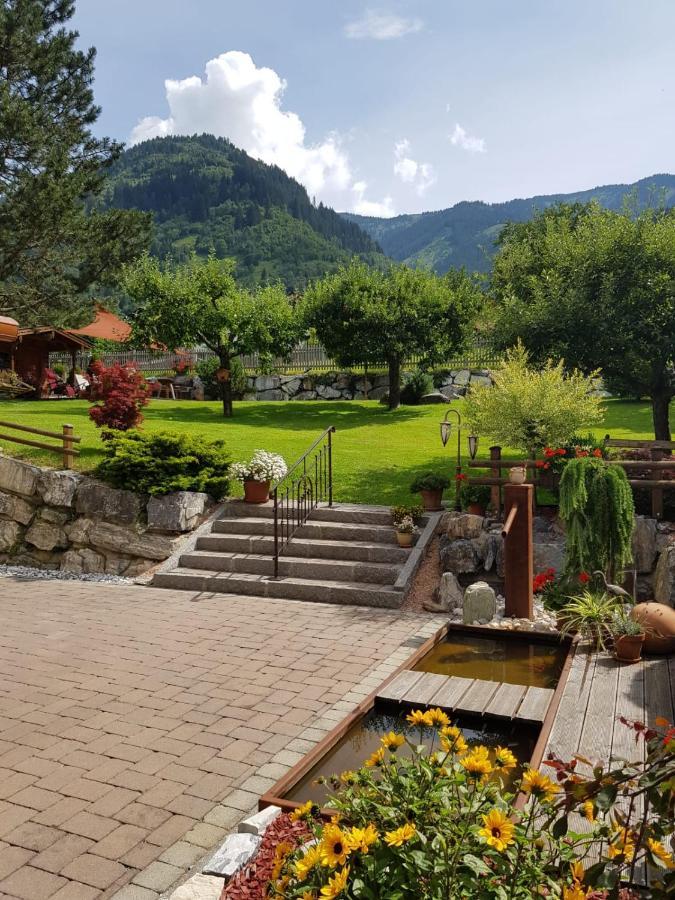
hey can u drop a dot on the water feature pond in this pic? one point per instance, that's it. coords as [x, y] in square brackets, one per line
[364, 736]
[515, 660]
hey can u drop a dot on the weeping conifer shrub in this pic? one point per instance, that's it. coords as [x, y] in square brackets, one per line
[596, 504]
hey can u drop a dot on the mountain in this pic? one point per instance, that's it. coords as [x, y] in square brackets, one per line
[465, 234]
[207, 194]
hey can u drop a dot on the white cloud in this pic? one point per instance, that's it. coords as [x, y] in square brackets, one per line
[420, 175]
[242, 102]
[379, 25]
[460, 137]
[384, 208]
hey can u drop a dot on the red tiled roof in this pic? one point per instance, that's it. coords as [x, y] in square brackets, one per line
[106, 325]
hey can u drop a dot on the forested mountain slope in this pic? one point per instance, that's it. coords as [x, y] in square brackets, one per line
[465, 234]
[206, 194]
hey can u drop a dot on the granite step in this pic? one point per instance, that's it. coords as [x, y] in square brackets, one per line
[339, 512]
[313, 590]
[362, 551]
[293, 567]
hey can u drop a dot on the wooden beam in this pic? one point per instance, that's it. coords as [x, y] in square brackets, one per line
[398, 686]
[535, 704]
[53, 434]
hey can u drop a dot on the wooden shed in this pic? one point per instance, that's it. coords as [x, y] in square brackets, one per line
[30, 352]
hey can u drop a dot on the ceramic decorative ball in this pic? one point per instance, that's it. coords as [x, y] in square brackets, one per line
[658, 620]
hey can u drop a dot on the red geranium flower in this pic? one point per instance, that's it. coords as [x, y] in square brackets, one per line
[584, 577]
[597, 452]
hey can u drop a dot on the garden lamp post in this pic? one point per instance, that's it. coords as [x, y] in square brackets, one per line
[446, 429]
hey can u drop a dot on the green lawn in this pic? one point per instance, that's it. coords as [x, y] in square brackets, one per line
[376, 451]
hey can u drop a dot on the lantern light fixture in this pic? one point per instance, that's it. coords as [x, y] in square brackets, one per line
[473, 445]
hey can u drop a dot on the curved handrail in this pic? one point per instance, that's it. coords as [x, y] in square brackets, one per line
[322, 436]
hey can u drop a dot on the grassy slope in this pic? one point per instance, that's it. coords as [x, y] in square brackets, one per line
[376, 452]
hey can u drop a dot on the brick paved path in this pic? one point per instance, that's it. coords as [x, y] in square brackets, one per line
[137, 726]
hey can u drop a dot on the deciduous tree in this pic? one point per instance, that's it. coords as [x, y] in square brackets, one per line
[596, 288]
[366, 316]
[199, 302]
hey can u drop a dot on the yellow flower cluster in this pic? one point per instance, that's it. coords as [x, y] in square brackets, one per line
[301, 812]
[400, 836]
[539, 786]
[392, 741]
[431, 718]
[477, 762]
[336, 884]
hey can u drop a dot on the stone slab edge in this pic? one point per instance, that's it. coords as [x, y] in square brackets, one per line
[185, 545]
[411, 565]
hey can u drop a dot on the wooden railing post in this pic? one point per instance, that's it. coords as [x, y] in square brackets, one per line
[495, 472]
[68, 456]
[518, 555]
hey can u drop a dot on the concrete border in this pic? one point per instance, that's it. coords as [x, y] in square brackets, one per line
[405, 577]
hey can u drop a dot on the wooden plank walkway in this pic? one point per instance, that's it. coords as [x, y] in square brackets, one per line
[468, 695]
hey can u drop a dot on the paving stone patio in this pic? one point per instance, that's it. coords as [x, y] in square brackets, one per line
[138, 725]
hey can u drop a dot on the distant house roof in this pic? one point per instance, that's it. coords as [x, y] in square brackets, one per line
[56, 339]
[107, 326]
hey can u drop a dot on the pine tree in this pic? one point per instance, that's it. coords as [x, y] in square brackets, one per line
[52, 247]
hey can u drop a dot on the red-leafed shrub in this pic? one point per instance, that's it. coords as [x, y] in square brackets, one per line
[122, 392]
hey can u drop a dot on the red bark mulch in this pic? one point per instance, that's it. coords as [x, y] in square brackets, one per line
[250, 883]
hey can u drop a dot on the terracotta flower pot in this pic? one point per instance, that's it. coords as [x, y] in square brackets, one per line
[256, 491]
[432, 500]
[404, 539]
[475, 509]
[628, 647]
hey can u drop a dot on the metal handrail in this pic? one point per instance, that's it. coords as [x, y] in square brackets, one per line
[296, 494]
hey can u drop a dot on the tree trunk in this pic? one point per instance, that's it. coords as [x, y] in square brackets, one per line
[226, 385]
[394, 382]
[660, 414]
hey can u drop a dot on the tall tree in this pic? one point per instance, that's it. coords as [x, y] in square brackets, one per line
[199, 302]
[363, 315]
[596, 288]
[52, 247]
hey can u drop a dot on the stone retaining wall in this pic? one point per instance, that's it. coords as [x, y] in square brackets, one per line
[348, 386]
[62, 520]
[471, 547]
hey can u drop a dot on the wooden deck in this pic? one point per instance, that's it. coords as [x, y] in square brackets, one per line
[598, 691]
[468, 695]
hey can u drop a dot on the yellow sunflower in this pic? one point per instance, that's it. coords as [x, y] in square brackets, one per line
[392, 741]
[452, 740]
[504, 759]
[334, 846]
[309, 895]
[362, 838]
[657, 849]
[623, 845]
[280, 853]
[437, 717]
[477, 763]
[301, 811]
[589, 810]
[576, 892]
[336, 884]
[418, 717]
[348, 778]
[540, 786]
[497, 830]
[578, 871]
[375, 759]
[400, 836]
[310, 860]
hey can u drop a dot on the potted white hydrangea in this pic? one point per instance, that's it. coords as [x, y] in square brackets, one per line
[258, 474]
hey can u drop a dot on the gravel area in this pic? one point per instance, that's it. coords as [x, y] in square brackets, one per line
[57, 575]
[427, 579]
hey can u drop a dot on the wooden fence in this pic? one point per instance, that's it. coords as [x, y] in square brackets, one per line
[308, 356]
[66, 449]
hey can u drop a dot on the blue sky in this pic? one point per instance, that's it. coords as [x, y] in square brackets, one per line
[400, 106]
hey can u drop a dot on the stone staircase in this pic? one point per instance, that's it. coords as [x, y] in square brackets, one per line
[342, 554]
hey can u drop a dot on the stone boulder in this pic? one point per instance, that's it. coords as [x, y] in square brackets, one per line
[267, 382]
[234, 853]
[305, 395]
[83, 562]
[179, 511]
[78, 531]
[10, 533]
[480, 381]
[291, 385]
[58, 488]
[480, 603]
[326, 392]
[127, 541]
[664, 577]
[272, 394]
[433, 397]
[13, 507]
[462, 525]
[363, 385]
[46, 536]
[450, 593]
[18, 477]
[644, 544]
[458, 556]
[99, 501]
[463, 377]
[548, 554]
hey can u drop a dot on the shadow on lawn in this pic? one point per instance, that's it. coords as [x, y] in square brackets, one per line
[311, 415]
